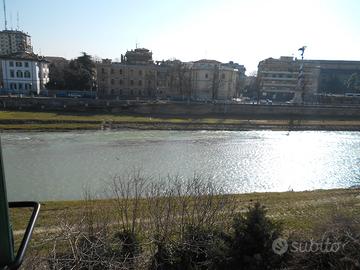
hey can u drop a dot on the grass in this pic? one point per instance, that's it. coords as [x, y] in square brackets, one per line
[63, 121]
[298, 211]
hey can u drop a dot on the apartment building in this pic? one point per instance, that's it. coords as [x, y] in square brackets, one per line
[14, 41]
[278, 78]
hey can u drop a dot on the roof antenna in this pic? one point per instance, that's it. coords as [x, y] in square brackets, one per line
[11, 21]
[5, 15]
[17, 21]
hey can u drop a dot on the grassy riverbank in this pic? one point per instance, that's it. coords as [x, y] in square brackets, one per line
[47, 121]
[299, 211]
[99, 231]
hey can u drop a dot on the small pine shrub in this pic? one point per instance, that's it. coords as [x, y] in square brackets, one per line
[253, 236]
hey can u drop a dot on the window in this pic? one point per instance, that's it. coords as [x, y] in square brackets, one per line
[102, 70]
[12, 73]
[11, 63]
[26, 64]
[223, 76]
[140, 82]
[19, 74]
[206, 75]
[27, 74]
[112, 71]
[140, 72]
[20, 86]
[18, 64]
[121, 82]
[28, 86]
[120, 71]
[112, 81]
[131, 82]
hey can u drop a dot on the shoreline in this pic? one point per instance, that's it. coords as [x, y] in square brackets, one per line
[305, 125]
[18, 121]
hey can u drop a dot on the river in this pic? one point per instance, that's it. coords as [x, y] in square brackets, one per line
[61, 165]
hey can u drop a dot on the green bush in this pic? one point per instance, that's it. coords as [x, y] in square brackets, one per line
[253, 235]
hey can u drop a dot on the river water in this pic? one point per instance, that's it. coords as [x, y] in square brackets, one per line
[60, 165]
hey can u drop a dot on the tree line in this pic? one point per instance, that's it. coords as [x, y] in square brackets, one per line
[78, 74]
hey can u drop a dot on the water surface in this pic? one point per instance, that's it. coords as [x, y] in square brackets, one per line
[57, 166]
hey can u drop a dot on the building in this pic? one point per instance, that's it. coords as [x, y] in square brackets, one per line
[139, 56]
[241, 78]
[14, 41]
[278, 78]
[133, 77]
[137, 76]
[334, 75]
[24, 73]
[212, 80]
[57, 61]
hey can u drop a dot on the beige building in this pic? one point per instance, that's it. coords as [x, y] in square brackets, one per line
[137, 76]
[13, 41]
[211, 80]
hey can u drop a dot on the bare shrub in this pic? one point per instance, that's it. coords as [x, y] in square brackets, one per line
[143, 220]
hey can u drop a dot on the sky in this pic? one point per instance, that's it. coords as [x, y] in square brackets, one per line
[243, 31]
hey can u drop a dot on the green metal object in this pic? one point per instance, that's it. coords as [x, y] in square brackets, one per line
[6, 241]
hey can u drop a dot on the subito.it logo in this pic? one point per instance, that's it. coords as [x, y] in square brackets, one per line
[280, 246]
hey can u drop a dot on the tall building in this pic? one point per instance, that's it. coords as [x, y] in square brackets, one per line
[14, 41]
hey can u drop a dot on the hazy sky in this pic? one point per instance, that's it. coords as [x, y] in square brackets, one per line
[242, 31]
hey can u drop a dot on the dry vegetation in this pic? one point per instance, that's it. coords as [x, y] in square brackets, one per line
[159, 225]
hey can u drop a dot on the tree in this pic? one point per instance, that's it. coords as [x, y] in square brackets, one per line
[353, 83]
[79, 74]
[56, 78]
[253, 237]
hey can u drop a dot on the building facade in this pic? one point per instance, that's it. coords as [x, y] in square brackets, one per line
[137, 76]
[212, 80]
[278, 78]
[13, 41]
[24, 73]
